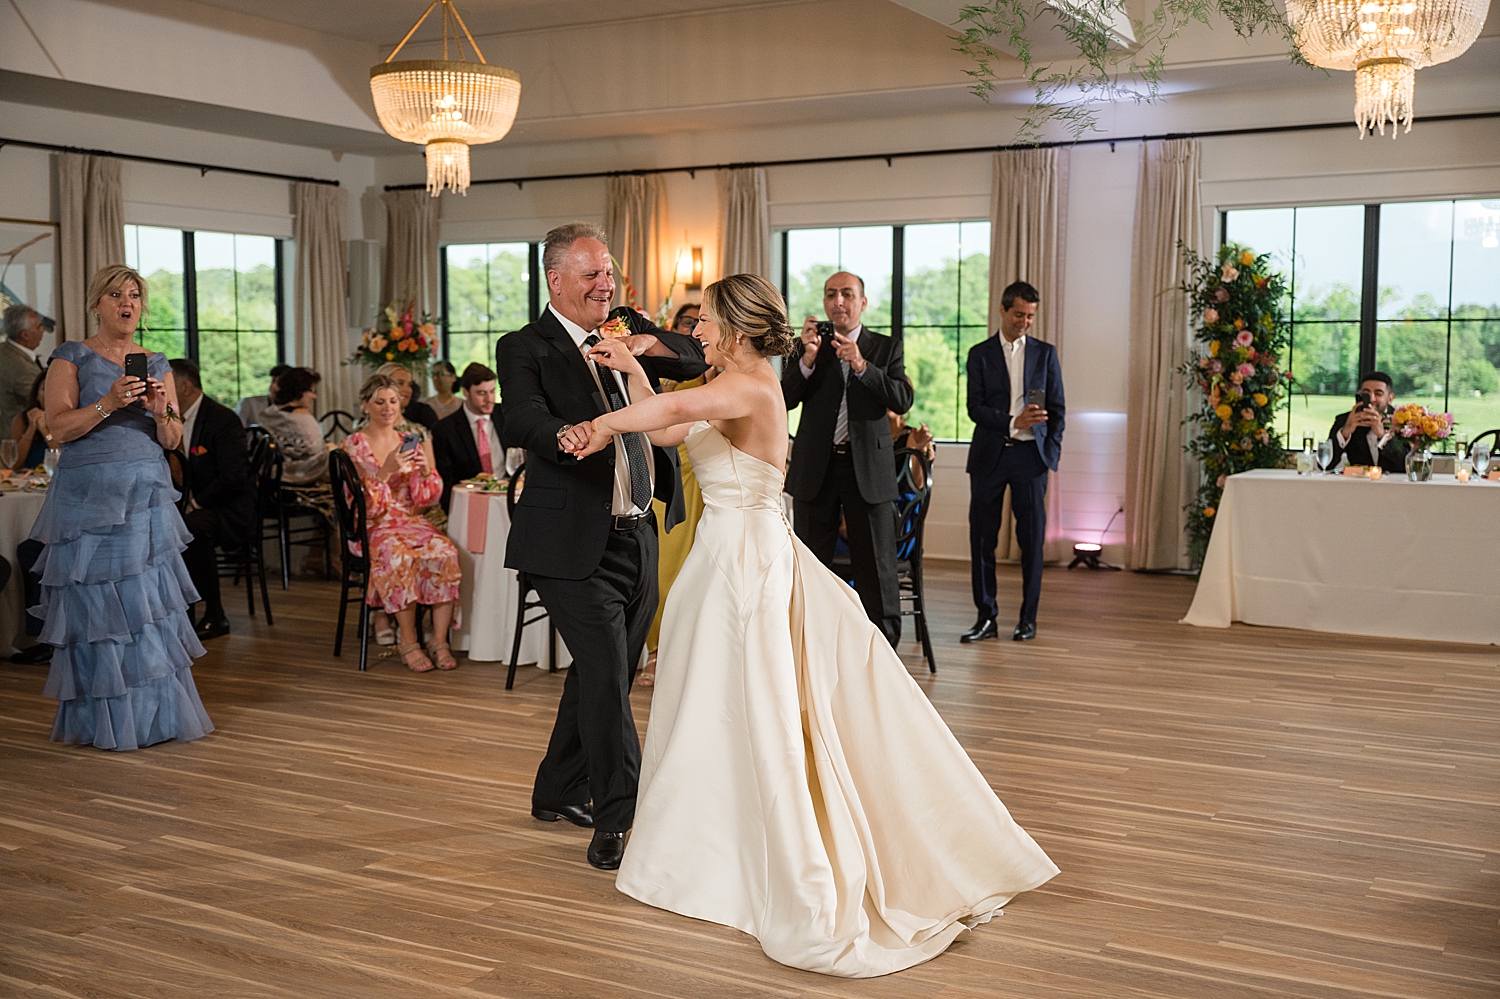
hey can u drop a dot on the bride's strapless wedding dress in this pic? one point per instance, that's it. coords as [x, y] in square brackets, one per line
[796, 782]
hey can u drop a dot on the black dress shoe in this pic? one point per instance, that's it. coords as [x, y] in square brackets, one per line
[606, 849]
[1025, 632]
[212, 629]
[34, 656]
[984, 629]
[579, 815]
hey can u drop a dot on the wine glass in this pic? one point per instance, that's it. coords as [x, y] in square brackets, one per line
[1304, 462]
[50, 461]
[1325, 454]
[7, 457]
[1481, 456]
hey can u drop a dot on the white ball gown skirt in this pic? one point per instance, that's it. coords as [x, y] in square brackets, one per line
[796, 783]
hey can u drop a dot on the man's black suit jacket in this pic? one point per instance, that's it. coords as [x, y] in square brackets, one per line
[1392, 456]
[457, 453]
[218, 469]
[989, 401]
[418, 411]
[883, 386]
[562, 519]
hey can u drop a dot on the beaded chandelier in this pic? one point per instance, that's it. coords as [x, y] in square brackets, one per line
[1385, 42]
[447, 105]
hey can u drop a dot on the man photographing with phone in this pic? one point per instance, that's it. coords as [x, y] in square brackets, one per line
[845, 378]
[1016, 403]
[1361, 434]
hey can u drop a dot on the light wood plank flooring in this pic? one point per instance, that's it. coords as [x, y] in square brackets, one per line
[1246, 813]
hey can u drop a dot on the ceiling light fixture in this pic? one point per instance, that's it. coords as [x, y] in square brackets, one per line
[447, 105]
[1385, 42]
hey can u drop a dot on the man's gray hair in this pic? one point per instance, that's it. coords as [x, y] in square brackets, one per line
[15, 318]
[559, 240]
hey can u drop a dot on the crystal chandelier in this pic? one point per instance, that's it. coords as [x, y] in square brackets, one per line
[1385, 42]
[448, 105]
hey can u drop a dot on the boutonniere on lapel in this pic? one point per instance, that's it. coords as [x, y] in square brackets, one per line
[198, 451]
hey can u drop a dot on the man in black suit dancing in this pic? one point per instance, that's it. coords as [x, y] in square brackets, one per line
[466, 442]
[1016, 443]
[219, 487]
[584, 531]
[841, 462]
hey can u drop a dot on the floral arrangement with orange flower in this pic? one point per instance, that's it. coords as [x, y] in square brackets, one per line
[401, 335]
[1420, 427]
[1236, 302]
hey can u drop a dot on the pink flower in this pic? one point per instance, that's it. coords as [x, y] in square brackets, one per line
[1221, 295]
[1247, 413]
[1214, 366]
[1222, 480]
[1229, 273]
[1226, 425]
[1210, 315]
[1245, 370]
[1244, 339]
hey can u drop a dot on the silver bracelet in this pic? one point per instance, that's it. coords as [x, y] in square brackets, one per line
[102, 413]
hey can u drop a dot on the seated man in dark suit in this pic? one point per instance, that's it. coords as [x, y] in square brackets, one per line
[1361, 434]
[467, 441]
[220, 489]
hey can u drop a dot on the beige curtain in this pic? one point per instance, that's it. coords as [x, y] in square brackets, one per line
[411, 251]
[321, 300]
[1159, 477]
[744, 222]
[635, 218]
[91, 233]
[1028, 242]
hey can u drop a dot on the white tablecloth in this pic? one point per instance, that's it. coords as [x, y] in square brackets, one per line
[489, 592]
[1383, 557]
[18, 512]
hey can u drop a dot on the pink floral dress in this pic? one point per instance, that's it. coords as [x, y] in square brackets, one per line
[412, 561]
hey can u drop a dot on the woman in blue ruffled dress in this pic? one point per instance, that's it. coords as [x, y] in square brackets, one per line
[115, 592]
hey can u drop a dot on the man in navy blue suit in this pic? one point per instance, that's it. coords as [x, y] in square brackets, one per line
[1016, 443]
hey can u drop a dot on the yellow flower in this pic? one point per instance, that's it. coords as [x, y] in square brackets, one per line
[1247, 258]
[390, 355]
[1239, 324]
[1260, 398]
[1223, 411]
[1430, 426]
[1213, 349]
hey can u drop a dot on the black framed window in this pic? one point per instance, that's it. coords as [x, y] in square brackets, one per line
[1410, 288]
[928, 283]
[216, 298]
[489, 289]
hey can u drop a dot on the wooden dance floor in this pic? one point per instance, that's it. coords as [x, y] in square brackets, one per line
[1241, 813]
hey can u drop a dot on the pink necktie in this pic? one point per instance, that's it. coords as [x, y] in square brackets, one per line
[482, 427]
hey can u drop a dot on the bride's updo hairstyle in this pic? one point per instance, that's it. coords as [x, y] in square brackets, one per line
[750, 306]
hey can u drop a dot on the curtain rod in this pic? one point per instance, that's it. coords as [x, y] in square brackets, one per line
[202, 168]
[889, 157]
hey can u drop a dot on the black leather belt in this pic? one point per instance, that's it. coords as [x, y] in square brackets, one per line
[841, 448]
[1013, 441]
[630, 523]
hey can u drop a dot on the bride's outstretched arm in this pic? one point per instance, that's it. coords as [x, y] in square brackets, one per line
[666, 418]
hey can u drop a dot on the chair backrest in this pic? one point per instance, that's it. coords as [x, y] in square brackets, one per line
[1491, 437]
[512, 487]
[337, 424]
[266, 466]
[912, 501]
[349, 502]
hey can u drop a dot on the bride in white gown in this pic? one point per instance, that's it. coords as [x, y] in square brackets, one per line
[796, 782]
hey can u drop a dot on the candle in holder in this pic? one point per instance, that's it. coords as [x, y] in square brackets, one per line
[1461, 474]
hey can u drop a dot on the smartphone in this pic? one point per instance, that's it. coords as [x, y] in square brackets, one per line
[1037, 398]
[409, 442]
[825, 330]
[135, 366]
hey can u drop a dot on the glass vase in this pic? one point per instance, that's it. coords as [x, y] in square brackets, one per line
[1419, 465]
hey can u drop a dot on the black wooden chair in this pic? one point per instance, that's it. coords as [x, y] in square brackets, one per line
[249, 560]
[523, 603]
[1492, 437]
[354, 551]
[279, 509]
[911, 516]
[337, 425]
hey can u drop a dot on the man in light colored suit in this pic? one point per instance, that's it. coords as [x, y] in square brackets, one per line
[19, 364]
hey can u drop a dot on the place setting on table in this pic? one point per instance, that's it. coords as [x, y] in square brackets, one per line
[22, 492]
[1331, 548]
[479, 524]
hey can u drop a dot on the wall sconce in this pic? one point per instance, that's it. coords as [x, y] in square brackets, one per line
[690, 269]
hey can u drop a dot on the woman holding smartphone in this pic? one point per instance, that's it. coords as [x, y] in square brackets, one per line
[115, 592]
[411, 561]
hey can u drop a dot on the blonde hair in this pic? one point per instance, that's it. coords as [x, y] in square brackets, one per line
[390, 368]
[748, 305]
[112, 278]
[374, 384]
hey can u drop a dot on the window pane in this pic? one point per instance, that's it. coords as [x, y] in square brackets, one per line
[968, 336]
[1325, 359]
[157, 255]
[974, 273]
[932, 365]
[235, 365]
[1329, 267]
[468, 288]
[510, 308]
[1415, 355]
[467, 348]
[255, 283]
[1474, 383]
[236, 309]
[1476, 260]
[814, 254]
[1415, 248]
[931, 260]
[1264, 230]
[214, 253]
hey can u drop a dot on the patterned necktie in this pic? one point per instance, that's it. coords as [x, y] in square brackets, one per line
[635, 443]
[482, 428]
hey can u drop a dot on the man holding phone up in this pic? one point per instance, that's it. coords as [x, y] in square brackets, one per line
[846, 377]
[1016, 403]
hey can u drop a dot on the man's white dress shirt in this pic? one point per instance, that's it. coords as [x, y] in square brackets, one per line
[622, 505]
[1015, 365]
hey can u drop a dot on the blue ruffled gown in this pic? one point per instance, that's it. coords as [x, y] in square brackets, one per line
[115, 592]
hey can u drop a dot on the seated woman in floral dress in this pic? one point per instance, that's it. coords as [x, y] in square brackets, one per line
[411, 561]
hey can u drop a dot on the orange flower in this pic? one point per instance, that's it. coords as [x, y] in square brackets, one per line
[1209, 511]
